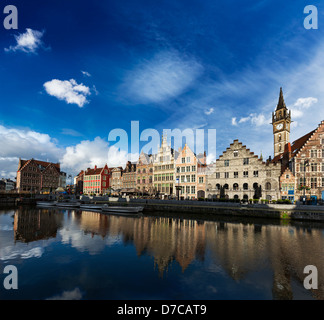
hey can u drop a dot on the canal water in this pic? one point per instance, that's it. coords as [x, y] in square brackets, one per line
[74, 254]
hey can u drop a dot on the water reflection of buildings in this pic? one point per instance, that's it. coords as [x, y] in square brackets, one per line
[36, 224]
[239, 249]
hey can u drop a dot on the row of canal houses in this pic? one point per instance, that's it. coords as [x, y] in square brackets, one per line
[160, 174]
[295, 172]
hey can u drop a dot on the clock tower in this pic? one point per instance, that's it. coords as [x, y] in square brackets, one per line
[281, 120]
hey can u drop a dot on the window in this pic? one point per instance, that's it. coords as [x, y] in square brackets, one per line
[245, 186]
[201, 179]
[178, 169]
[217, 175]
[245, 174]
[193, 189]
[226, 163]
[235, 186]
[188, 159]
[301, 181]
[226, 175]
[314, 167]
[193, 178]
[235, 153]
[245, 161]
[187, 189]
[322, 181]
[236, 174]
[287, 176]
[183, 169]
[313, 183]
[193, 168]
[313, 153]
[183, 160]
[322, 153]
[255, 174]
[182, 178]
[188, 178]
[188, 168]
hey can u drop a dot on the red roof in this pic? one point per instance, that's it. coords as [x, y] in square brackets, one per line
[294, 147]
[90, 172]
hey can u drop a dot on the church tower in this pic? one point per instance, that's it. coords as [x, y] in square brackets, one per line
[281, 120]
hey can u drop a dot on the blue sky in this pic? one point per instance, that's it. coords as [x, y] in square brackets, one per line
[75, 70]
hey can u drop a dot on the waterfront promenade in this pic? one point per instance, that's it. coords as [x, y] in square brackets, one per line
[206, 208]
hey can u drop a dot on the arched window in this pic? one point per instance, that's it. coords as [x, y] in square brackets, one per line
[217, 186]
[245, 186]
[245, 197]
[279, 137]
[255, 185]
[235, 186]
[226, 186]
[268, 186]
[236, 197]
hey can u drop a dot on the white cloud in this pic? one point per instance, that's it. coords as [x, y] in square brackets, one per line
[71, 132]
[88, 153]
[209, 111]
[85, 73]
[69, 91]
[259, 119]
[242, 120]
[256, 119]
[27, 42]
[27, 144]
[166, 76]
[301, 105]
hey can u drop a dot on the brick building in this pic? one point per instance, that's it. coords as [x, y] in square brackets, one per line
[144, 176]
[78, 182]
[37, 176]
[116, 181]
[287, 185]
[129, 178]
[304, 157]
[96, 181]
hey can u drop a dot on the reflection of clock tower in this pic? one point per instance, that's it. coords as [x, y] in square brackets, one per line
[281, 120]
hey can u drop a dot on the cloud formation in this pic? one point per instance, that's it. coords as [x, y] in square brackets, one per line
[165, 76]
[69, 91]
[209, 111]
[27, 144]
[301, 105]
[27, 42]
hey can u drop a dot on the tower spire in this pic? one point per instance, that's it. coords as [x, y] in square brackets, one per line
[281, 102]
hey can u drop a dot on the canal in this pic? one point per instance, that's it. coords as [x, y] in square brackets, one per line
[74, 254]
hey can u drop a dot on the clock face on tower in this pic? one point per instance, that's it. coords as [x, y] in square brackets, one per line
[279, 126]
